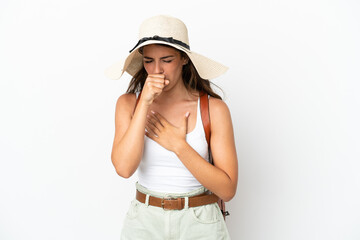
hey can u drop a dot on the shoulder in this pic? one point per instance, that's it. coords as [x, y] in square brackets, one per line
[127, 98]
[218, 106]
[219, 112]
[126, 102]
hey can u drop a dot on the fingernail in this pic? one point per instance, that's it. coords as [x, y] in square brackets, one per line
[187, 114]
[152, 112]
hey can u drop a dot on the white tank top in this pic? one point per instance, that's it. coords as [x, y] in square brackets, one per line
[161, 170]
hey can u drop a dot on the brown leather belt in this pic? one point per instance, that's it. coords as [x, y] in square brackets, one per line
[177, 203]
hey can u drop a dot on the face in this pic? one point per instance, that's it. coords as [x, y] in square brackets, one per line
[160, 59]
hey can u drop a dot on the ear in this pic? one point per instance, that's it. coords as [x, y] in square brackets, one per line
[185, 58]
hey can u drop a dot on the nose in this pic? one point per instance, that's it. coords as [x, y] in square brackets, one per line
[158, 68]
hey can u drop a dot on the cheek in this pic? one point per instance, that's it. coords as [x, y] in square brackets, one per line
[176, 69]
[147, 68]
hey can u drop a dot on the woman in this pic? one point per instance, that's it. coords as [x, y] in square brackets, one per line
[178, 188]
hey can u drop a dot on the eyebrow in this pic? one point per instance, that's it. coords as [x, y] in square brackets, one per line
[160, 58]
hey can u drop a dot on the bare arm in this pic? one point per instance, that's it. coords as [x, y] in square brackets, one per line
[129, 135]
[128, 142]
[221, 178]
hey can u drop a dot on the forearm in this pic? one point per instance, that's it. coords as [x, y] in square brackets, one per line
[127, 151]
[211, 177]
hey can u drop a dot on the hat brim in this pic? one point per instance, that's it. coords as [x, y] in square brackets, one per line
[206, 67]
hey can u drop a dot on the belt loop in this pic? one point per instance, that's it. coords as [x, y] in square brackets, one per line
[147, 200]
[186, 203]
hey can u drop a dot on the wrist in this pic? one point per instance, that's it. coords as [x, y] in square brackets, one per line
[181, 147]
[144, 104]
[144, 100]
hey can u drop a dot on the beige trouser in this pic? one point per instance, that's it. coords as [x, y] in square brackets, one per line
[148, 222]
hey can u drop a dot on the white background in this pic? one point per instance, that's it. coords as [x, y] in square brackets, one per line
[292, 88]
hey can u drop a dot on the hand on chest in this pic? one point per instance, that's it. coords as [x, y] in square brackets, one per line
[175, 113]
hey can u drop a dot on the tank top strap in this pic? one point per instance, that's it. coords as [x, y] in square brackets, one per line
[198, 114]
[198, 124]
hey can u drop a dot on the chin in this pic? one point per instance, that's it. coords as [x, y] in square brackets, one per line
[165, 88]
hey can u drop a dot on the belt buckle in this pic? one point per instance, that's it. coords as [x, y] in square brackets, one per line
[163, 203]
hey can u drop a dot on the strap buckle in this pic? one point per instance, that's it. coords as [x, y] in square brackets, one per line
[225, 213]
[171, 202]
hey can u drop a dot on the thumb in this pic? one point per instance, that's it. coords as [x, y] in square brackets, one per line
[186, 118]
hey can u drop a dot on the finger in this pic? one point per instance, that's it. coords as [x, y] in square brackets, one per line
[158, 80]
[154, 120]
[151, 125]
[163, 81]
[153, 137]
[150, 131]
[160, 118]
[156, 75]
[154, 81]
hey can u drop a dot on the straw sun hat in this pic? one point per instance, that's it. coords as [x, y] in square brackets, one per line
[169, 31]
